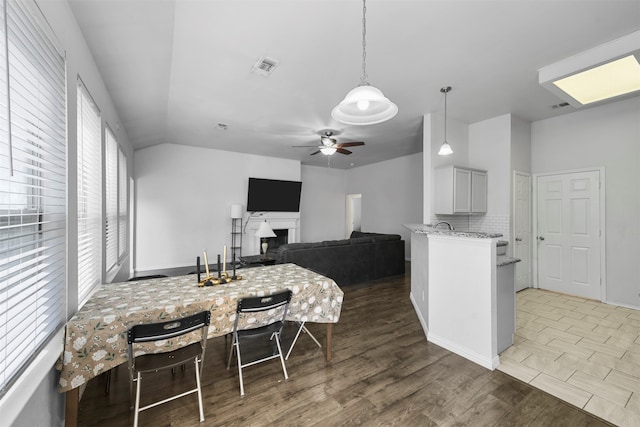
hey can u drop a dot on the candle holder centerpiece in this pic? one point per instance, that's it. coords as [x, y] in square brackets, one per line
[223, 276]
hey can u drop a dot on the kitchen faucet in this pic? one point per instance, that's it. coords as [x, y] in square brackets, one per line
[446, 223]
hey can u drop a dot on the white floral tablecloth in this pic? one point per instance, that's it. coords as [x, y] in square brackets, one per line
[96, 337]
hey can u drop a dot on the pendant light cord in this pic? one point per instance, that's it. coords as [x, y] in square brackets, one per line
[445, 116]
[363, 79]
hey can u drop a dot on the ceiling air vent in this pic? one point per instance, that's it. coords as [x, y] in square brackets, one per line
[265, 66]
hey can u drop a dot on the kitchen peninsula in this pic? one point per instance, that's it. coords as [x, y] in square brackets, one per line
[463, 292]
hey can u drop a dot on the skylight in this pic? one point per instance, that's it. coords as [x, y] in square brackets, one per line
[609, 80]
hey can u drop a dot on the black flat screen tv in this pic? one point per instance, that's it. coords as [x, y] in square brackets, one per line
[273, 195]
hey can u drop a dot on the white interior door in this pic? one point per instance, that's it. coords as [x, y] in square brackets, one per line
[568, 233]
[522, 228]
[354, 213]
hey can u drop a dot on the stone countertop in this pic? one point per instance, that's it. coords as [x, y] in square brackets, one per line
[429, 229]
[502, 260]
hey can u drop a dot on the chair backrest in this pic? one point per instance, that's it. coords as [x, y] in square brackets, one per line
[264, 303]
[152, 276]
[164, 330]
[256, 312]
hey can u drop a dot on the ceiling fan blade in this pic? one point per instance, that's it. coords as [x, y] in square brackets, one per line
[350, 144]
[343, 151]
[314, 153]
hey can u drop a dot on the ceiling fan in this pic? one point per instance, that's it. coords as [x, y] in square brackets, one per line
[330, 145]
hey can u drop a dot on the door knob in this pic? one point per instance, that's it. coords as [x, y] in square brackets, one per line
[540, 237]
[518, 239]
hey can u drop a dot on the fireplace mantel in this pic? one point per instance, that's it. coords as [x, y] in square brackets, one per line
[278, 221]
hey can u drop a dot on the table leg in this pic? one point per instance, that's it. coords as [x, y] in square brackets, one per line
[329, 341]
[71, 407]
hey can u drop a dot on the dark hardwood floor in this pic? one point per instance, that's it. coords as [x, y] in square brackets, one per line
[384, 372]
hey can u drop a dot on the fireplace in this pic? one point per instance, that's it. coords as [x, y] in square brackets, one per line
[282, 238]
[285, 225]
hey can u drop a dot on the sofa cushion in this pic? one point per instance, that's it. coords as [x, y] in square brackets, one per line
[343, 242]
[360, 240]
[385, 237]
[295, 246]
[356, 234]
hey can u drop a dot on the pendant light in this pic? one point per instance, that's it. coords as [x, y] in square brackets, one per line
[366, 104]
[445, 148]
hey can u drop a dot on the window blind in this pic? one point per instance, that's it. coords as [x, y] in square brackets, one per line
[89, 195]
[32, 187]
[122, 204]
[111, 184]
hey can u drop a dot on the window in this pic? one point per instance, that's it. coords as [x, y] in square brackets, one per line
[116, 200]
[32, 187]
[123, 212]
[111, 184]
[89, 195]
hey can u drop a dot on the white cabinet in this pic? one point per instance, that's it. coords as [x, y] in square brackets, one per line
[460, 191]
[478, 191]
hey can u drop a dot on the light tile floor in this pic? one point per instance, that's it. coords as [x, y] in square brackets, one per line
[584, 352]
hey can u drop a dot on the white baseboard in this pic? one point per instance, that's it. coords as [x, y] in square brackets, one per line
[482, 360]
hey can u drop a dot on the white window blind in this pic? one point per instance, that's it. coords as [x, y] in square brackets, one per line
[89, 195]
[32, 187]
[122, 204]
[111, 184]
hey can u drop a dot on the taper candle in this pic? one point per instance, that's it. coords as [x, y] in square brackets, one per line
[219, 266]
[224, 259]
[206, 262]
[198, 267]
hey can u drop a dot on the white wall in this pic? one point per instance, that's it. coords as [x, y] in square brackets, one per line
[520, 145]
[608, 136]
[322, 204]
[184, 196]
[490, 149]
[391, 195]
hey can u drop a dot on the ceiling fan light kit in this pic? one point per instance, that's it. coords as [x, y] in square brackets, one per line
[327, 151]
[366, 104]
[445, 148]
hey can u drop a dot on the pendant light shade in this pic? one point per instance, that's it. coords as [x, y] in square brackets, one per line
[445, 148]
[366, 104]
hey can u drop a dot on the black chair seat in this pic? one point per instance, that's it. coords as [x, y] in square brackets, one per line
[157, 361]
[260, 331]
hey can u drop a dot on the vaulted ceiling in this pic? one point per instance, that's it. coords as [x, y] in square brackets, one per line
[177, 69]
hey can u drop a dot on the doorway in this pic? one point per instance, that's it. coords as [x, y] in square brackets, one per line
[570, 233]
[354, 213]
[522, 228]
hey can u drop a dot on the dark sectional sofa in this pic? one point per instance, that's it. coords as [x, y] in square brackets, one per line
[362, 257]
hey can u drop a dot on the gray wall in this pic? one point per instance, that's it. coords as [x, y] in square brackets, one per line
[322, 204]
[391, 195]
[184, 196]
[608, 136]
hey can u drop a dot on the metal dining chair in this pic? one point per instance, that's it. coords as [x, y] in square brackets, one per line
[258, 319]
[301, 328]
[154, 362]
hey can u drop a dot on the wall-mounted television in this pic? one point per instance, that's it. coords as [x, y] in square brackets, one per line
[273, 195]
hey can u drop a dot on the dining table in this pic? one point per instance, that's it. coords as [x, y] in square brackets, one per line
[95, 338]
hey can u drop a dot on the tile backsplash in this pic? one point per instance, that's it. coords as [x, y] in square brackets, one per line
[485, 223]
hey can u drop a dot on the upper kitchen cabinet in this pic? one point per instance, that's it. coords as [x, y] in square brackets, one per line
[460, 191]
